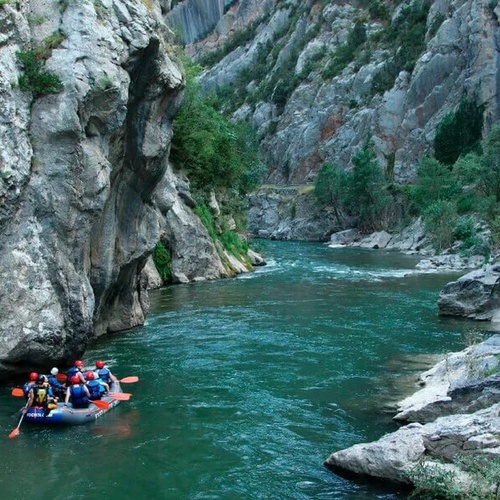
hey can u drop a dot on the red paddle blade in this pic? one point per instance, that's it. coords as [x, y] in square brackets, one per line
[15, 433]
[129, 380]
[17, 392]
[100, 404]
[61, 377]
[120, 396]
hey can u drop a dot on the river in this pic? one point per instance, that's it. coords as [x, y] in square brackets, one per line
[247, 384]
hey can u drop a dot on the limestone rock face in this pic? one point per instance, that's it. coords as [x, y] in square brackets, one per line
[329, 119]
[394, 456]
[475, 295]
[85, 186]
[459, 383]
[454, 415]
[288, 214]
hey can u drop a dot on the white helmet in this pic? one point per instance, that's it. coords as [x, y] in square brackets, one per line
[54, 371]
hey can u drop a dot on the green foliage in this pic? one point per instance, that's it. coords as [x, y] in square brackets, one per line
[464, 228]
[363, 192]
[435, 183]
[203, 212]
[378, 10]
[346, 53]
[35, 78]
[495, 230]
[367, 196]
[5, 2]
[436, 24]
[331, 187]
[233, 244]
[163, 262]
[491, 164]
[459, 133]
[405, 38]
[215, 152]
[435, 480]
[228, 239]
[440, 219]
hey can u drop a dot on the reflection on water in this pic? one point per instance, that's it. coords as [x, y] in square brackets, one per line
[247, 385]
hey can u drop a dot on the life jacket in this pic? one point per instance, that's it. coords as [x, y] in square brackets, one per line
[104, 375]
[26, 389]
[40, 395]
[94, 388]
[54, 382]
[79, 397]
[71, 371]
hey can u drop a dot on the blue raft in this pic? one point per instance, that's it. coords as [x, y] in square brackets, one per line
[67, 415]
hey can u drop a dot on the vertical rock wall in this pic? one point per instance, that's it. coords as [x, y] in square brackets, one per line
[85, 183]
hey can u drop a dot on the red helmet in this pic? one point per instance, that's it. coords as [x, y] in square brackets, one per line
[89, 376]
[34, 376]
[79, 363]
[75, 379]
[99, 364]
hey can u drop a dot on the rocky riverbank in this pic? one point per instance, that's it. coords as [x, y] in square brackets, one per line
[451, 421]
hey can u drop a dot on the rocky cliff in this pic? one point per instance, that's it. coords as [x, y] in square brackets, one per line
[450, 440]
[88, 90]
[317, 89]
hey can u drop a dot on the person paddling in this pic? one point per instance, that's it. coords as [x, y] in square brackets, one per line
[96, 387]
[41, 396]
[78, 392]
[76, 369]
[104, 373]
[30, 384]
[58, 389]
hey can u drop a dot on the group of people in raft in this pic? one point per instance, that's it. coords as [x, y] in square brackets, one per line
[80, 388]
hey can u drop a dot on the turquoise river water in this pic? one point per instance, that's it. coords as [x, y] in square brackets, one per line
[247, 384]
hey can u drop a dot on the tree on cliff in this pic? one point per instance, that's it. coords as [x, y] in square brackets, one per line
[330, 188]
[215, 152]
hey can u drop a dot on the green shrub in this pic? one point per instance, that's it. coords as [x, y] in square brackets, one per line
[433, 480]
[163, 262]
[35, 78]
[367, 196]
[378, 10]
[213, 151]
[464, 228]
[490, 173]
[405, 38]
[436, 24]
[233, 244]
[435, 182]
[459, 133]
[440, 219]
[331, 187]
[495, 230]
[203, 212]
[347, 52]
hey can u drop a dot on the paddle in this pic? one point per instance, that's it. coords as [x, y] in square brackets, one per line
[120, 396]
[100, 404]
[17, 392]
[16, 431]
[129, 380]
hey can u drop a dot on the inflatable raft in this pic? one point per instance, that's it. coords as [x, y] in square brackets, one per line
[67, 415]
